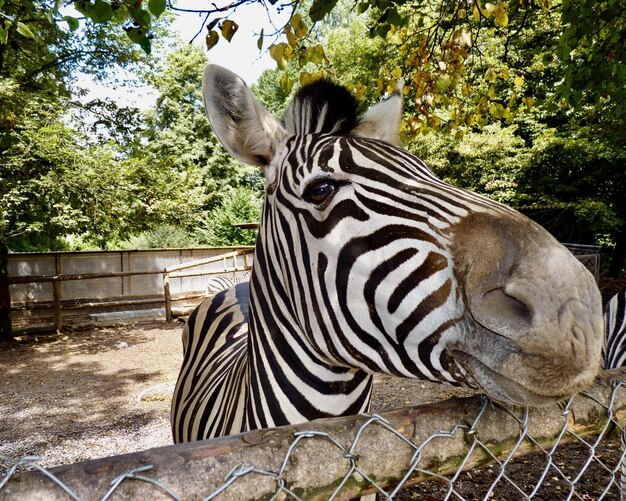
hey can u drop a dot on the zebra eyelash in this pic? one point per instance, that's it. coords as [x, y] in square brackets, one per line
[309, 193]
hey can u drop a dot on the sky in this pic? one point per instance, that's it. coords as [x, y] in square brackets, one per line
[241, 55]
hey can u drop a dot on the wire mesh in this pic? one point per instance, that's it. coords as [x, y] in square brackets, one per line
[582, 458]
[589, 256]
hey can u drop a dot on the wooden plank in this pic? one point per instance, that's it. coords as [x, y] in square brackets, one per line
[56, 299]
[80, 276]
[212, 259]
[168, 297]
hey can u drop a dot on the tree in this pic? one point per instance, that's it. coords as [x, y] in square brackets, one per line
[179, 138]
[178, 135]
[438, 39]
[583, 173]
[55, 184]
[240, 205]
[523, 69]
[55, 181]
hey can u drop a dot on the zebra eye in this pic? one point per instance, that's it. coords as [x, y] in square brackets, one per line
[318, 191]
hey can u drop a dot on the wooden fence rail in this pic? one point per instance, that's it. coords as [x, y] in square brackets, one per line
[167, 274]
[176, 272]
[56, 281]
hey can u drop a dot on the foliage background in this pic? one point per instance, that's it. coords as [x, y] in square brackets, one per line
[522, 101]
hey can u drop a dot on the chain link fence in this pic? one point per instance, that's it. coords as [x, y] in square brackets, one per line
[589, 256]
[465, 448]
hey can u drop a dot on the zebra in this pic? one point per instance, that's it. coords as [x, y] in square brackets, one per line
[614, 347]
[219, 283]
[614, 357]
[365, 263]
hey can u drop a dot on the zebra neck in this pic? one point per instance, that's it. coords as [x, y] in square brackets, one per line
[289, 381]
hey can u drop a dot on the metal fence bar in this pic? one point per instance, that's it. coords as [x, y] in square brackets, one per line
[342, 458]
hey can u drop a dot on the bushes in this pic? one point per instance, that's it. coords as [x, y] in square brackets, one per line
[543, 170]
[487, 161]
[239, 205]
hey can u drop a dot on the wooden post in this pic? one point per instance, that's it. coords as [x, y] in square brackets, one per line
[6, 332]
[168, 296]
[56, 297]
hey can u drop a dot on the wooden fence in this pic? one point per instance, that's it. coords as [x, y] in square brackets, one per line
[177, 272]
[63, 308]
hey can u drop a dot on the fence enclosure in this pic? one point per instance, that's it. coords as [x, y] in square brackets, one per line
[338, 458]
[342, 458]
[65, 287]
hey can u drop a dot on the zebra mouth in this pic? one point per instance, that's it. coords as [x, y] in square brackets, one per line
[499, 387]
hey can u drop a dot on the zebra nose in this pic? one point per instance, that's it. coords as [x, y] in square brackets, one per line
[520, 284]
[504, 311]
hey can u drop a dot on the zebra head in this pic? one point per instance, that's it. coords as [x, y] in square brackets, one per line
[366, 260]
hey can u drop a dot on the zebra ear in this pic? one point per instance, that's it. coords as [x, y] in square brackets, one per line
[382, 121]
[245, 128]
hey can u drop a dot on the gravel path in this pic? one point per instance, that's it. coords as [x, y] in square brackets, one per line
[107, 391]
[103, 392]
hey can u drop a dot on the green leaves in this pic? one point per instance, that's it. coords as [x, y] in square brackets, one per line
[72, 22]
[4, 33]
[103, 11]
[135, 34]
[99, 11]
[141, 17]
[157, 7]
[320, 8]
[24, 30]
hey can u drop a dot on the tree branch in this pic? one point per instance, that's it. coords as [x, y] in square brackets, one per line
[64, 58]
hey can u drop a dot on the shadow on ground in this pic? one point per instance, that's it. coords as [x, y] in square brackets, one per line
[76, 396]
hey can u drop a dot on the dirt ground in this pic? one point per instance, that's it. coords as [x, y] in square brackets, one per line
[106, 391]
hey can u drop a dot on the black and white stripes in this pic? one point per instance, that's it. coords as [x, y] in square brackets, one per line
[366, 262]
[220, 283]
[614, 349]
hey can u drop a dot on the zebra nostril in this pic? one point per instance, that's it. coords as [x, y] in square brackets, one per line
[505, 312]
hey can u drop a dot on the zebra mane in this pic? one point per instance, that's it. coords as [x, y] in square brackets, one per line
[324, 107]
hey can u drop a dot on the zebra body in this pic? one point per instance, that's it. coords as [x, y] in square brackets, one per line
[220, 283]
[614, 357]
[365, 262]
[214, 342]
[614, 349]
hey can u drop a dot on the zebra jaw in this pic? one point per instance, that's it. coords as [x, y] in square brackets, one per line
[499, 387]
